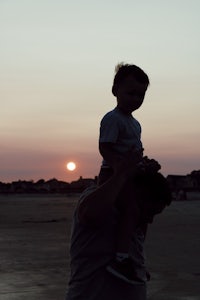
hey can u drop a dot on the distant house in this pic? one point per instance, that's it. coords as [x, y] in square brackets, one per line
[180, 182]
[195, 176]
[54, 185]
[182, 185]
[81, 184]
[22, 186]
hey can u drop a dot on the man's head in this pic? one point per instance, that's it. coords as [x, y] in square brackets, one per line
[154, 195]
[129, 87]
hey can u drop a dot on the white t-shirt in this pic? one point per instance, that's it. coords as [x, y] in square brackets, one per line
[123, 130]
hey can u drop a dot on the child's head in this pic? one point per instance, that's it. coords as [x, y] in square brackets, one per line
[129, 86]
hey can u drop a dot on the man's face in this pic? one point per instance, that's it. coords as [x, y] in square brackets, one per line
[130, 94]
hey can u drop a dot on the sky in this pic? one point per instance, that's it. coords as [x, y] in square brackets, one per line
[57, 63]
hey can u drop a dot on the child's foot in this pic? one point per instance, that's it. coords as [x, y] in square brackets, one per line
[124, 270]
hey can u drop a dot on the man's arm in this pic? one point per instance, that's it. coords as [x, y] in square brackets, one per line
[96, 206]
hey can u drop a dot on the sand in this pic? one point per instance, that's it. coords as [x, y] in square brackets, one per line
[35, 231]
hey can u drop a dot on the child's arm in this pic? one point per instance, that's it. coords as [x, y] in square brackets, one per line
[108, 153]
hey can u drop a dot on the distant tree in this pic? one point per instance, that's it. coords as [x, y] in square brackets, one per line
[40, 181]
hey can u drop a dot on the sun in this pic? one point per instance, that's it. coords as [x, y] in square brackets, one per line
[71, 166]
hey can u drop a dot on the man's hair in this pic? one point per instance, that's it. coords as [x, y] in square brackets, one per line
[124, 70]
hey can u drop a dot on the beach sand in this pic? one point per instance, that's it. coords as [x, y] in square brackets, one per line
[34, 249]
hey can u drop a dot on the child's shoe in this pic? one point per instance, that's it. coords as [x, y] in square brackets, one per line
[124, 270]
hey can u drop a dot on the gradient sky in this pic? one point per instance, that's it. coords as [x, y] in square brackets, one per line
[57, 63]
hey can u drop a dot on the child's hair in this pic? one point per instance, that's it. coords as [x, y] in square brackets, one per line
[124, 70]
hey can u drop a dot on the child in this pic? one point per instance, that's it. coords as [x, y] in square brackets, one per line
[120, 135]
[120, 131]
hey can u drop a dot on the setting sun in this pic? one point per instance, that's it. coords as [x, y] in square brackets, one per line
[71, 166]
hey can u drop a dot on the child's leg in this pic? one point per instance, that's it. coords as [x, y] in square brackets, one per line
[123, 266]
[129, 212]
[129, 217]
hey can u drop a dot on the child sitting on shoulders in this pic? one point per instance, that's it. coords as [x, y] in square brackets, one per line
[120, 135]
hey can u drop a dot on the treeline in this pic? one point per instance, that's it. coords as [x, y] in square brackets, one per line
[177, 183]
[49, 186]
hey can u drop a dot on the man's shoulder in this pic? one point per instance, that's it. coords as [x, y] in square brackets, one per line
[87, 191]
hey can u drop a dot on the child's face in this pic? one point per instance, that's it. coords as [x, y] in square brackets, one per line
[130, 94]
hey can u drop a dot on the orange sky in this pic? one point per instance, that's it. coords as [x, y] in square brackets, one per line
[57, 66]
